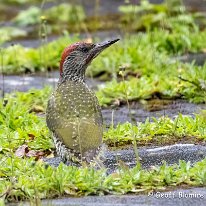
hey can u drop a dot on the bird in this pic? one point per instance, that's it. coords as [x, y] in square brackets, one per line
[73, 113]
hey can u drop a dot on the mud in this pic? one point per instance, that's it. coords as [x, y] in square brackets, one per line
[177, 197]
[149, 157]
[141, 112]
[197, 58]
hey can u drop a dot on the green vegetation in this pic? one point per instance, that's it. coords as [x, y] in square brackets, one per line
[8, 33]
[20, 125]
[20, 2]
[162, 131]
[148, 73]
[22, 179]
[169, 83]
[152, 47]
[28, 17]
[70, 14]
[140, 67]
[17, 58]
[169, 15]
[24, 139]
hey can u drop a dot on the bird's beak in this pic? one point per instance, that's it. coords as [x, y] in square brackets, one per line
[98, 48]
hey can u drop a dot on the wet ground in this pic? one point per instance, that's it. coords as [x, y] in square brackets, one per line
[155, 108]
[139, 111]
[105, 7]
[111, 6]
[149, 156]
[34, 43]
[92, 8]
[180, 197]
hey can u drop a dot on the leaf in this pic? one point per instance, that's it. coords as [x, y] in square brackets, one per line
[31, 153]
[36, 154]
[69, 191]
[32, 136]
[29, 16]
[36, 109]
[22, 150]
[50, 155]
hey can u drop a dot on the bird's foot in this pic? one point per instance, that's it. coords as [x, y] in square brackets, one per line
[95, 157]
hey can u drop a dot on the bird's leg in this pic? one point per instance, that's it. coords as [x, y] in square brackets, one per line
[96, 157]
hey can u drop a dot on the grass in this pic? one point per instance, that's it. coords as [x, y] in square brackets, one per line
[8, 33]
[25, 178]
[137, 52]
[149, 72]
[35, 181]
[20, 125]
[31, 59]
[170, 15]
[174, 81]
[24, 139]
[159, 131]
[21, 1]
[70, 14]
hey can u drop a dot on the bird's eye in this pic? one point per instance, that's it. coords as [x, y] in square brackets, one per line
[84, 49]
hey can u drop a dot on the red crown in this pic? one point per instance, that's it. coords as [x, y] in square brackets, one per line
[66, 53]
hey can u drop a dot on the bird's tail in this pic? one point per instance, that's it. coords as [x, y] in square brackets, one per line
[94, 157]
